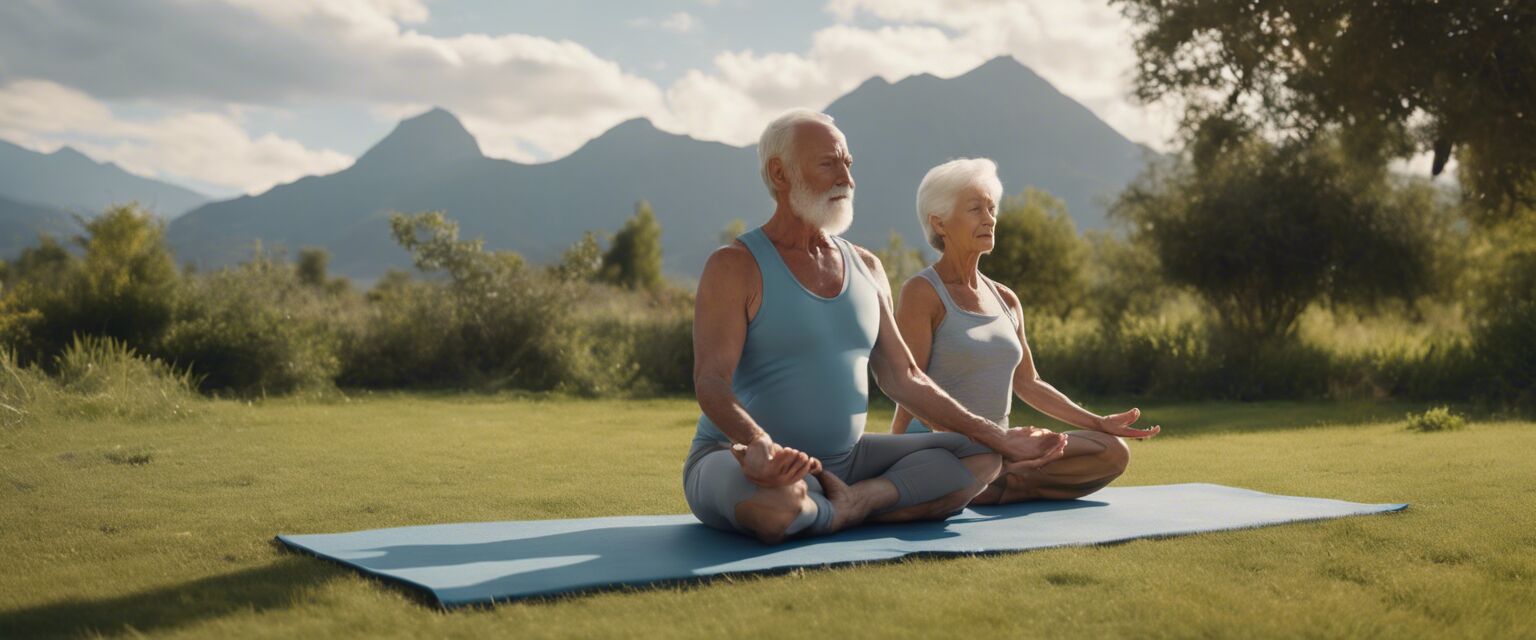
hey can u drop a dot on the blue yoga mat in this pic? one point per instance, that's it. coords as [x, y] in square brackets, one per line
[482, 562]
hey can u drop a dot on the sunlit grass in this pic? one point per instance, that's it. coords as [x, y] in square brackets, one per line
[179, 543]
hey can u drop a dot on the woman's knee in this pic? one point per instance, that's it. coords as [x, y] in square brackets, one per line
[1115, 456]
[984, 468]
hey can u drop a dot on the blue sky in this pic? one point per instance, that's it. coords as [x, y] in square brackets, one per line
[234, 96]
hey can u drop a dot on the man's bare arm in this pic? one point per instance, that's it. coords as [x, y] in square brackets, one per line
[719, 334]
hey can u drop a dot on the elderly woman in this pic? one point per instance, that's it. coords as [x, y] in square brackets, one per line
[967, 332]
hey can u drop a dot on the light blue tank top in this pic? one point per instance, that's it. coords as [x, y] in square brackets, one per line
[973, 356]
[804, 370]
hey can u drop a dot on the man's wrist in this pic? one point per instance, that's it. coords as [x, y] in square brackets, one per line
[993, 436]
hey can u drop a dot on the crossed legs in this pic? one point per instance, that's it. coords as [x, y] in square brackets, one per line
[1093, 459]
[885, 478]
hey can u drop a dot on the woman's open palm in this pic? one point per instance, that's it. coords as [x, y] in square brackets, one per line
[1120, 425]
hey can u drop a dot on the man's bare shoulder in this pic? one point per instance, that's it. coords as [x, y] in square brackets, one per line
[870, 259]
[731, 264]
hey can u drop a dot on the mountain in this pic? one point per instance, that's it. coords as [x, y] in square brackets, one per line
[429, 162]
[68, 180]
[1001, 110]
[896, 131]
[21, 223]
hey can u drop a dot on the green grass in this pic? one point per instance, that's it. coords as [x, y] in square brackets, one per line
[114, 526]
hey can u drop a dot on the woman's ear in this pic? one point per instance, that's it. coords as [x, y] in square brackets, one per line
[937, 223]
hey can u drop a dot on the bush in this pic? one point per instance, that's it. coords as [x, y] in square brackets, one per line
[258, 329]
[495, 324]
[124, 287]
[1436, 419]
[1504, 337]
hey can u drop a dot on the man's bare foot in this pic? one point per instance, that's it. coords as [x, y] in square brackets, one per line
[849, 508]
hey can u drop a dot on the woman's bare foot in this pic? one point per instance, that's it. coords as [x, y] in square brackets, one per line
[849, 507]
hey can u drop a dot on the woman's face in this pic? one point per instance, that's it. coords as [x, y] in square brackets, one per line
[970, 224]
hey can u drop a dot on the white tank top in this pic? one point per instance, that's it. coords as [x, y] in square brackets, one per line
[974, 356]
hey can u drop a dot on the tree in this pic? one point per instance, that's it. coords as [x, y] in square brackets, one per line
[900, 262]
[1123, 279]
[125, 287]
[1037, 253]
[312, 265]
[581, 261]
[1260, 230]
[1394, 76]
[734, 229]
[634, 258]
[1504, 327]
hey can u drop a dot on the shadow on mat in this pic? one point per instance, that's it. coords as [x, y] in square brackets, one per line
[258, 589]
[605, 557]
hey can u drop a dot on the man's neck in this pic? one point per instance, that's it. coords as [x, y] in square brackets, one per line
[790, 231]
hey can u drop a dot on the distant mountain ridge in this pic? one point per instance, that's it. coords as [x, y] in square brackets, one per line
[896, 131]
[69, 180]
[21, 223]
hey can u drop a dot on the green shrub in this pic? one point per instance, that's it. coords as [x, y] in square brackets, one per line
[125, 286]
[258, 329]
[1436, 419]
[495, 323]
[1504, 337]
[410, 336]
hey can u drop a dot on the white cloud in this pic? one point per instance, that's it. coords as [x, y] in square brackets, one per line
[745, 90]
[525, 97]
[680, 22]
[513, 90]
[1082, 48]
[206, 146]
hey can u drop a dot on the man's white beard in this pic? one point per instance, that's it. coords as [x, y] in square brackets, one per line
[819, 210]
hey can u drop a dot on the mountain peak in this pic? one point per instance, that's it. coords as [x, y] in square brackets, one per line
[431, 137]
[1003, 68]
[70, 153]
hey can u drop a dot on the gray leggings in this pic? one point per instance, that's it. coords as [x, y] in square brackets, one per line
[923, 466]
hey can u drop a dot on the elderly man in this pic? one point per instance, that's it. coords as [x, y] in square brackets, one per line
[787, 321]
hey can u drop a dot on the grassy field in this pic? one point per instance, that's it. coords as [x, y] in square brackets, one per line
[166, 528]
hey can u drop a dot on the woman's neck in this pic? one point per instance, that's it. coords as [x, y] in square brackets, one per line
[959, 268]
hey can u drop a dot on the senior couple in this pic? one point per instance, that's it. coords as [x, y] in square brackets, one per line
[789, 318]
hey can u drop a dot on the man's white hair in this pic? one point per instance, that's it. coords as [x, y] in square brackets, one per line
[937, 193]
[779, 136]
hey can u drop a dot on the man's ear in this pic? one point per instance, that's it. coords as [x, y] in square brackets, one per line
[778, 173]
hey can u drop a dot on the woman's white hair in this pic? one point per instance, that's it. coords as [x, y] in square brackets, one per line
[937, 193]
[779, 135]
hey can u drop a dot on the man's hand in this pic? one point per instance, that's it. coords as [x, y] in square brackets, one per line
[1120, 425]
[768, 465]
[1031, 447]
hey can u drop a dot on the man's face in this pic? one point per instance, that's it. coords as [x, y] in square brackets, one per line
[821, 178]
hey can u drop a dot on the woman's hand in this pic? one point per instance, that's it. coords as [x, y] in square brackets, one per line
[768, 465]
[1120, 425]
[1031, 447]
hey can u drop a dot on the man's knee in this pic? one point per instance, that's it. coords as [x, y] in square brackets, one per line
[770, 513]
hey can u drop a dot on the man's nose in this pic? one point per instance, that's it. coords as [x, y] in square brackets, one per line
[845, 176]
